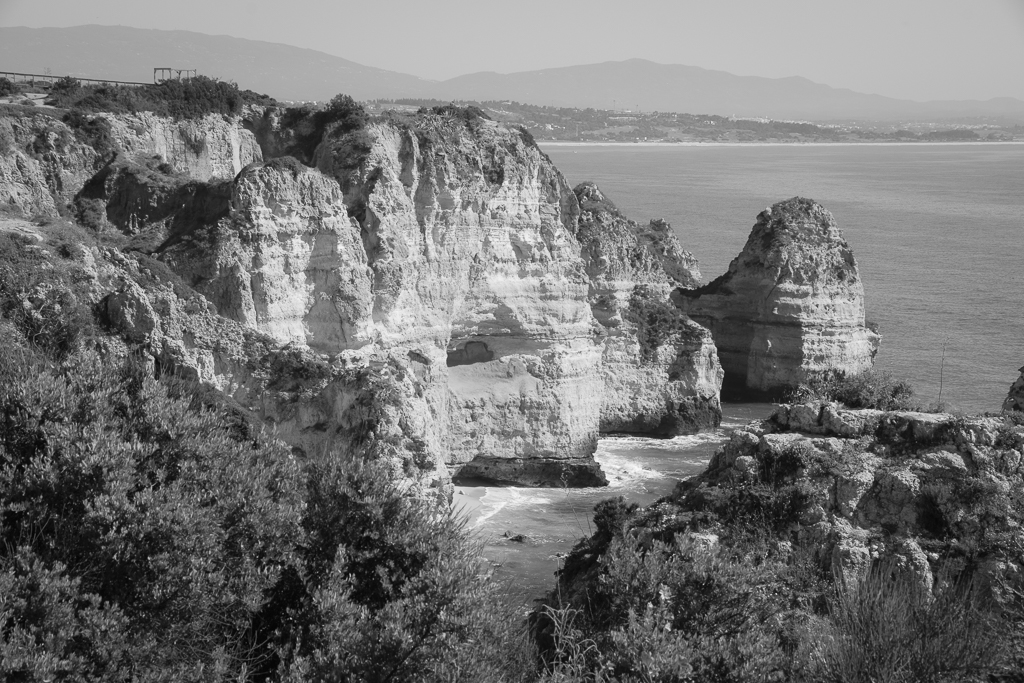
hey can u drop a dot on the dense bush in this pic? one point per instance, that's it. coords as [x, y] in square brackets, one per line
[7, 140]
[875, 389]
[469, 114]
[342, 116]
[657, 320]
[677, 611]
[394, 590]
[643, 601]
[888, 629]
[124, 504]
[6, 87]
[184, 99]
[344, 111]
[149, 530]
[41, 297]
[94, 131]
[145, 539]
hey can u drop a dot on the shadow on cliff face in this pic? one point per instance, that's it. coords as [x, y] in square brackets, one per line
[472, 352]
[147, 199]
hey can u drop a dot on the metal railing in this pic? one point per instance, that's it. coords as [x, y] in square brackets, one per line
[17, 77]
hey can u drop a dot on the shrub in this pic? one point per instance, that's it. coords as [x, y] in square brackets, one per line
[874, 389]
[889, 629]
[184, 99]
[395, 591]
[94, 131]
[657, 321]
[6, 87]
[469, 115]
[42, 303]
[7, 141]
[150, 531]
[343, 117]
[149, 507]
[668, 612]
[344, 111]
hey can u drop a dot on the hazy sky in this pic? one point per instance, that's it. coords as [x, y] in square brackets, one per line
[914, 49]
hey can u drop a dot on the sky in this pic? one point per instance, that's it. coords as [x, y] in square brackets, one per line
[909, 49]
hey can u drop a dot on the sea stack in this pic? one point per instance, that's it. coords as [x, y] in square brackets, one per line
[790, 307]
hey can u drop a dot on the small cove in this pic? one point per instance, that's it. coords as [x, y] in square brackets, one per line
[552, 520]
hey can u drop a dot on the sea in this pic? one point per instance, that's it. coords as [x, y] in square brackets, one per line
[938, 234]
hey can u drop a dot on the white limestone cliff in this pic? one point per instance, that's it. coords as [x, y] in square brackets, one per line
[660, 370]
[214, 146]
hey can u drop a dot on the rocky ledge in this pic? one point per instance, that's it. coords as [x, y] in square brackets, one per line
[791, 305]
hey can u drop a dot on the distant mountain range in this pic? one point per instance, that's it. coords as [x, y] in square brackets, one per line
[292, 73]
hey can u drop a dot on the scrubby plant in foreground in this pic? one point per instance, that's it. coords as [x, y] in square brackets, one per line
[143, 510]
[146, 536]
[887, 629]
[649, 598]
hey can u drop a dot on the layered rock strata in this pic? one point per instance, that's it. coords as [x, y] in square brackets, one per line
[660, 370]
[791, 305]
[214, 146]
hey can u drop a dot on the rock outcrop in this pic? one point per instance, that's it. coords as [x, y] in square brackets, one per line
[1015, 397]
[43, 163]
[790, 306]
[660, 369]
[875, 484]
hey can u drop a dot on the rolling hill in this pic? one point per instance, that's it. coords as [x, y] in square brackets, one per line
[292, 73]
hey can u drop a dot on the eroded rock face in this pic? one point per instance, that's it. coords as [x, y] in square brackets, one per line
[214, 146]
[660, 369]
[362, 403]
[1015, 397]
[43, 163]
[22, 185]
[790, 306]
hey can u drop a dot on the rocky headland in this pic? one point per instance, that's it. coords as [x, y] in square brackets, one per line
[426, 287]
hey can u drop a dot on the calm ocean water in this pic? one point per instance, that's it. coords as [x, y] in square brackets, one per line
[936, 230]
